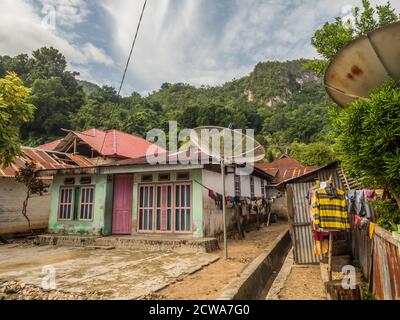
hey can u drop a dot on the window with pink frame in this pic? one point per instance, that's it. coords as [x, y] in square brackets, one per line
[165, 208]
[183, 208]
[65, 207]
[86, 203]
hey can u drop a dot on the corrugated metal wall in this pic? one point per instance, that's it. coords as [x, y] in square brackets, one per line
[380, 262]
[299, 216]
[300, 224]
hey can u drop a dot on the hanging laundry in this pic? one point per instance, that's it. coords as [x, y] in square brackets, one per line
[356, 202]
[371, 230]
[357, 220]
[218, 201]
[330, 210]
[211, 194]
[369, 196]
[321, 242]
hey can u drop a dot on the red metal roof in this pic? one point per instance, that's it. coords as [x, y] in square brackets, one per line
[285, 168]
[111, 143]
[44, 160]
[51, 145]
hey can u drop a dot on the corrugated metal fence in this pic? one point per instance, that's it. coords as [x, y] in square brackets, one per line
[300, 223]
[299, 215]
[380, 262]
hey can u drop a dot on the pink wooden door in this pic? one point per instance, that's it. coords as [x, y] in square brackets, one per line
[122, 208]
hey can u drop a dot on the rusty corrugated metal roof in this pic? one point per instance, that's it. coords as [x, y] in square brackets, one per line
[285, 168]
[45, 160]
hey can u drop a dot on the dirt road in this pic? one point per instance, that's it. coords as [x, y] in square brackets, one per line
[209, 282]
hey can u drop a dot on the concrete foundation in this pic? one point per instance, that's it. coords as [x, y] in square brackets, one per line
[131, 242]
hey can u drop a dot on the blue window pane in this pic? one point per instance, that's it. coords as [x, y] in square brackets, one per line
[151, 196]
[145, 220]
[177, 220]
[177, 196]
[158, 224]
[187, 196]
[188, 220]
[169, 196]
[146, 197]
[141, 196]
[140, 219]
[151, 219]
[169, 219]
[182, 220]
[182, 203]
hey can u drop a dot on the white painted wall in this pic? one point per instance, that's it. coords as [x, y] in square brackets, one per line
[12, 195]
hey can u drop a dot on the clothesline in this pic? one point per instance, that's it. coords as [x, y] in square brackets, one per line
[232, 200]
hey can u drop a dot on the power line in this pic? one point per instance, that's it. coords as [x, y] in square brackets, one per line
[133, 45]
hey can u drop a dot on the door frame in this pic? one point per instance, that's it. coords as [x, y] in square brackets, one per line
[113, 203]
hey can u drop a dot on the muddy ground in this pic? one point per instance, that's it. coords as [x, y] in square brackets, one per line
[83, 273]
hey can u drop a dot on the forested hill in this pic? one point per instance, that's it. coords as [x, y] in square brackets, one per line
[280, 100]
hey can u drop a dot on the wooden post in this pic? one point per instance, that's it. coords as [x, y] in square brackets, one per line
[330, 255]
[75, 146]
[224, 209]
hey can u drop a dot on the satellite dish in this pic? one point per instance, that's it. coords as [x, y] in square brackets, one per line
[228, 146]
[364, 64]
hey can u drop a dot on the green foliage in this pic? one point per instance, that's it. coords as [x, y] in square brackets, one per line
[367, 294]
[367, 136]
[388, 214]
[281, 101]
[14, 110]
[55, 91]
[333, 36]
[313, 154]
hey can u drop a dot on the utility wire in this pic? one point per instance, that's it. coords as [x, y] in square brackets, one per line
[133, 45]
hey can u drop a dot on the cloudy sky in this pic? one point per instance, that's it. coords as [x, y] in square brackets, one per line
[193, 41]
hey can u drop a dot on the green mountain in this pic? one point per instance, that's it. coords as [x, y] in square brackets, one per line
[88, 87]
[281, 101]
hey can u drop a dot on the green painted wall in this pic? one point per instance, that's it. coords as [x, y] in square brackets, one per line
[197, 207]
[95, 227]
[102, 223]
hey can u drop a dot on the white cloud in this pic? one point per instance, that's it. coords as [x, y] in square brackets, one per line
[21, 31]
[194, 41]
[92, 53]
[68, 12]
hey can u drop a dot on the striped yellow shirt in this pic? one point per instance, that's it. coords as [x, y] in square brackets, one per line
[330, 211]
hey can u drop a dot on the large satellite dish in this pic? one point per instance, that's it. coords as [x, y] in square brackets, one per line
[364, 64]
[228, 146]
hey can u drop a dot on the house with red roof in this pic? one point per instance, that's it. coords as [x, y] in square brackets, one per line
[75, 151]
[134, 197]
[12, 193]
[283, 169]
[104, 146]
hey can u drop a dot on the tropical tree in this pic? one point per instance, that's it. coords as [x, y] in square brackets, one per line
[14, 110]
[333, 36]
[313, 154]
[367, 136]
